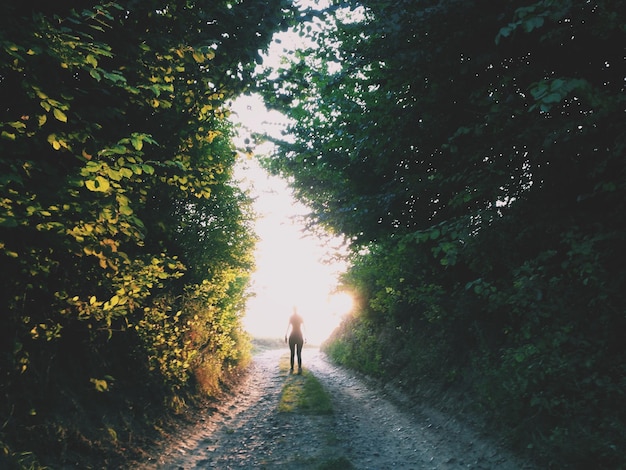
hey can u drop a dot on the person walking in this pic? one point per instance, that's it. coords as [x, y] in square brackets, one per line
[295, 336]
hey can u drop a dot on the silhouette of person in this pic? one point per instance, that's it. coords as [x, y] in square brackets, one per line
[296, 338]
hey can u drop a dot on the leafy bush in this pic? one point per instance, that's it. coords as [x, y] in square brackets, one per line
[124, 241]
[473, 157]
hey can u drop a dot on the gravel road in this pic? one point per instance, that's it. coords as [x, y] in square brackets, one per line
[371, 428]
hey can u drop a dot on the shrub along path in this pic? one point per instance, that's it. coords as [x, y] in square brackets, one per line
[369, 428]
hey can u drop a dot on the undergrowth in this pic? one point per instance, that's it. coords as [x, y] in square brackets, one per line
[539, 416]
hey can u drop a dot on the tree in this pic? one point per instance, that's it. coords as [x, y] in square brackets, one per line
[474, 154]
[125, 244]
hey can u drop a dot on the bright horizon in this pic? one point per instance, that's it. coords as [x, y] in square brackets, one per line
[290, 269]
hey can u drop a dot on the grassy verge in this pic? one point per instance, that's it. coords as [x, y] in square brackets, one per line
[302, 393]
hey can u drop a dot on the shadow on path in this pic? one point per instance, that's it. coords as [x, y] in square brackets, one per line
[368, 429]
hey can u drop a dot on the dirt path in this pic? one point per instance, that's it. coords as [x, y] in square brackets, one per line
[369, 428]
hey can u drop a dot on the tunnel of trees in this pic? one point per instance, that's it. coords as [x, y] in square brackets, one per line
[470, 152]
[473, 154]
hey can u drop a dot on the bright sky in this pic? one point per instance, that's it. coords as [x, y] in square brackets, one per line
[290, 268]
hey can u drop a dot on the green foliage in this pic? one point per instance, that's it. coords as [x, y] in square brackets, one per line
[124, 241]
[473, 155]
[358, 346]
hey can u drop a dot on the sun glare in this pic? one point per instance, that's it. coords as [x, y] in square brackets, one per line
[289, 267]
[290, 271]
[268, 318]
[341, 303]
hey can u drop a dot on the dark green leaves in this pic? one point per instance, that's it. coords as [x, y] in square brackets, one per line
[477, 149]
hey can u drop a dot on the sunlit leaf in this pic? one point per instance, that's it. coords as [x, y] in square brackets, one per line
[59, 115]
[137, 143]
[126, 210]
[198, 56]
[126, 172]
[91, 60]
[99, 384]
[114, 174]
[102, 184]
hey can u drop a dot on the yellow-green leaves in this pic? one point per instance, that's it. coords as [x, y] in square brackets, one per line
[91, 60]
[58, 142]
[199, 54]
[101, 204]
[57, 107]
[106, 176]
[109, 304]
[100, 385]
[124, 205]
[137, 141]
[59, 115]
[203, 54]
[99, 184]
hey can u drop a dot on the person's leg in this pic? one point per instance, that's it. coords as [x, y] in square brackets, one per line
[299, 345]
[292, 348]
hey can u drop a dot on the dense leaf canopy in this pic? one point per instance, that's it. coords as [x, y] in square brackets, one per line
[474, 154]
[125, 244]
